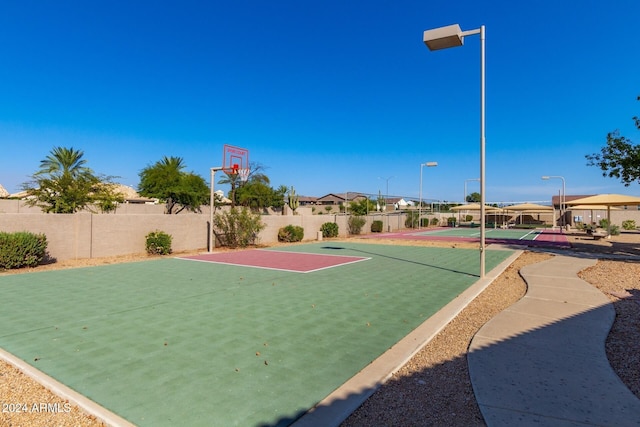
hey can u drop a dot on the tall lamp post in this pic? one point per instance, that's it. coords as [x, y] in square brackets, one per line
[453, 36]
[429, 165]
[386, 196]
[563, 200]
[212, 200]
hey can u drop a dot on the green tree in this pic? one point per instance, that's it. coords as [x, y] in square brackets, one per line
[179, 190]
[362, 207]
[620, 158]
[64, 184]
[256, 174]
[473, 197]
[256, 193]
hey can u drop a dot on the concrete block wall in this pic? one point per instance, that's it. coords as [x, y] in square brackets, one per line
[87, 235]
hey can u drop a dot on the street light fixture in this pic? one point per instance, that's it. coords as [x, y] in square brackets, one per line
[465, 188]
[563, 200]
[453, 36]
[429, 165]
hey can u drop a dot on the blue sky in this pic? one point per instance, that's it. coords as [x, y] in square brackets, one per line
[329, 96]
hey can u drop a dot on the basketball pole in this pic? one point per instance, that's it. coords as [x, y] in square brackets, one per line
[212, 237]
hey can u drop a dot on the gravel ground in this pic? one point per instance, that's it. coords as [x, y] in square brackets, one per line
[433, 388]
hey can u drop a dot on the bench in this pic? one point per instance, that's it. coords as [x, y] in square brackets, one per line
[595, 234]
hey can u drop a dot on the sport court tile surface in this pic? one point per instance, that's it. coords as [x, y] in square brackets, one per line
[536, 237]
[172, 341]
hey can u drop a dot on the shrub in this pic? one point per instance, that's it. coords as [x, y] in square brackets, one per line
[356, 222]
[451, 221]
[237, 227]
[291, 233]
[468, 218]
[376, 226]
[22, 249]
[412, 219]
[435, 221]
[604, 223]
[329, 229]
[614, 230]
[158, 243]
[629, 224]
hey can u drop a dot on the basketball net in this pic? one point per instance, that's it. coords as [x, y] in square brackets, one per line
[243, 174]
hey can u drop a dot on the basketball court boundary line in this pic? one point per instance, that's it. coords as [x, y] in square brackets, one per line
[85, 404]
[284, 269]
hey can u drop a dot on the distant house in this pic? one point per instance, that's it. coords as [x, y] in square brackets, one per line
[398, 203]
[307, 200]
[131, 195]
[340, 198]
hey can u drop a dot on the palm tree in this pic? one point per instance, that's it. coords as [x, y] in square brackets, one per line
[64, 162]
[63, 184]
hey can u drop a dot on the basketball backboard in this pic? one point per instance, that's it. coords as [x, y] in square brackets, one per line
[234, 159]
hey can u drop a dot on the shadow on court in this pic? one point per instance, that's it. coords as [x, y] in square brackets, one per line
[395, 258]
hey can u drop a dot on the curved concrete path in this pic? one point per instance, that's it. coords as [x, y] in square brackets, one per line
[542, 361]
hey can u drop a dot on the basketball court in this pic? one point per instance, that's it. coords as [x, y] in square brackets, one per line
[519, 237]
[257, 338]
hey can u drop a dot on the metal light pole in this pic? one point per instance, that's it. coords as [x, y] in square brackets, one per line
[452, 36]
[563, 200]
[386, 196]
[429, 165]
[212, 236]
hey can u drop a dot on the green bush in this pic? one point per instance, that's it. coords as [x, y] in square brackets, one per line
[468, 218]
[451, 221]
[329, 229]
[158, 243]
[22, 249]
[376, 226]
[435, 221]
[291, 233]
[629, 224]
[237, 227]
[604, 223]
[614, 230]
[412, 219]
[356, 222]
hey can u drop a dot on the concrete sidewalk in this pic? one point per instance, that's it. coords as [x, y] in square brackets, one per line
[543, 362]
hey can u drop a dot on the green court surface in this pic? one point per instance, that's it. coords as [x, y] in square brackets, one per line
[490, 233]
[170, 341]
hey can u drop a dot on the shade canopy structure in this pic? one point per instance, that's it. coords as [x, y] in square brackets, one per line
[474, 207]
[592, 208]
[528, 207]
[607, 200]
